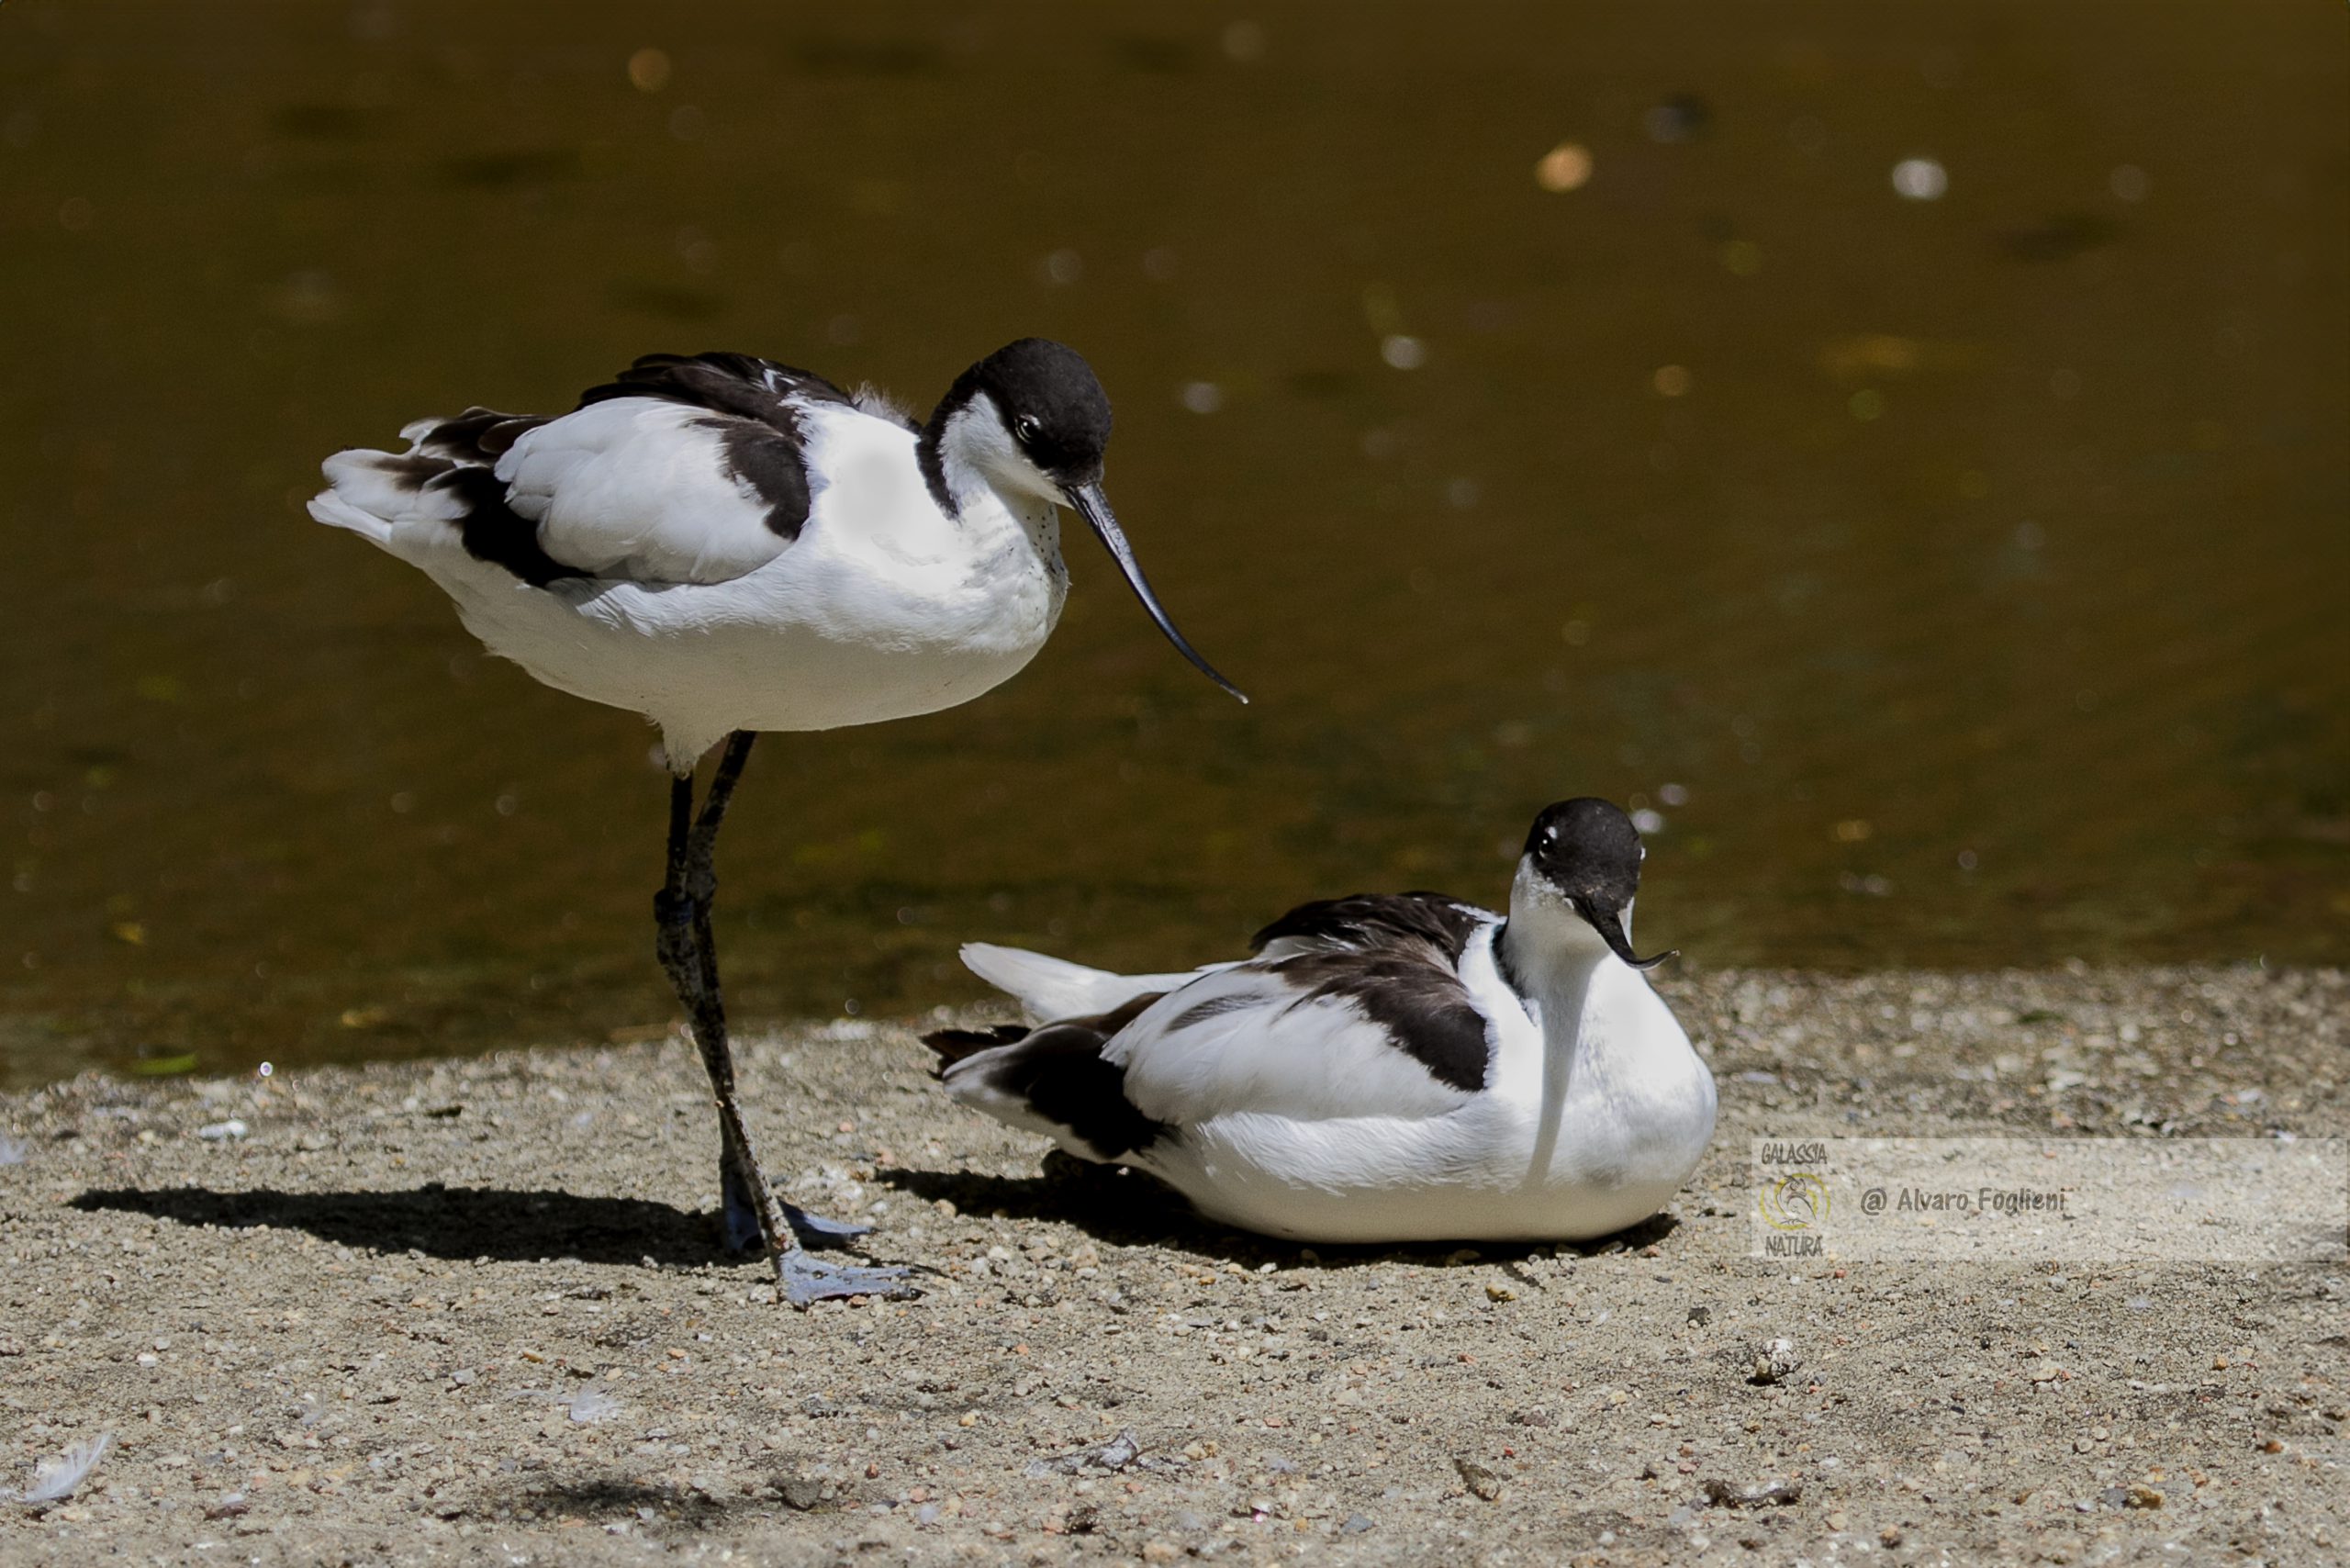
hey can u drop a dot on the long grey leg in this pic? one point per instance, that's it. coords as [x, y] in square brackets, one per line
[751, 1214]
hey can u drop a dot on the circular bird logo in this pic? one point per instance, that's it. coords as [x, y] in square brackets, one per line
[1796, 1201]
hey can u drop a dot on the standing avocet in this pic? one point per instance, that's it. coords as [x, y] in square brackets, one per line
[726, 544]
[1387, 1068]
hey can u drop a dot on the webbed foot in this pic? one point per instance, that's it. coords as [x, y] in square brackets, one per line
[804, 1280]
[816, 1231]
[738, 1218]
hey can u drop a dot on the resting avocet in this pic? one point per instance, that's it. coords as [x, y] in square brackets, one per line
[726, 544]
[1388, 1067]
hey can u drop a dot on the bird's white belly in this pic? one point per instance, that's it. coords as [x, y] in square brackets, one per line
[753, 676]
[1480, 1172]
[815, 641]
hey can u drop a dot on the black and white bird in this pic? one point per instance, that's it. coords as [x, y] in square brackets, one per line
[1387, 1068]
[726, 545]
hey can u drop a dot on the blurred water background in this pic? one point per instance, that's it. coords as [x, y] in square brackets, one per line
[1899, 450]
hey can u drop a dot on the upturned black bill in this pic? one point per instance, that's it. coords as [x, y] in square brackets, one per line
[1614, 929]
[1094, 507]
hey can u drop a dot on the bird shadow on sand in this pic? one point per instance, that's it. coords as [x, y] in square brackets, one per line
[1128, 1208]
[458, 1223]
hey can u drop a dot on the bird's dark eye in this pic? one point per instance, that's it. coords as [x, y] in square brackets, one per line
[1025, 427]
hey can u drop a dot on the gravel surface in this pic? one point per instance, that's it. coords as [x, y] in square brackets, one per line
[470, 1311]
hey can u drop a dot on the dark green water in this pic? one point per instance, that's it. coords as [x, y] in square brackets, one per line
[1962, 580]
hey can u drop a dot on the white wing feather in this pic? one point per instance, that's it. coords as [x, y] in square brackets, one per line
[639, 488]
[1245, 1040]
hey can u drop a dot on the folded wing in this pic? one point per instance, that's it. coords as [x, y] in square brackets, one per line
[682, 469]
[1354, 1007]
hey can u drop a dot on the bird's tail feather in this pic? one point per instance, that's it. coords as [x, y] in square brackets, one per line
[1055, 988]
[370, 492]
[333, 508]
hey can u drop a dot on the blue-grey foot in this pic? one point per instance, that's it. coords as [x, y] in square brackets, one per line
[805, 1281]
[738, 1218]
[816, 1231]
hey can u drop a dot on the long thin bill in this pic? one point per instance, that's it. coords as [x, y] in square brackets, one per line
[1094, 507]
[1613, 926]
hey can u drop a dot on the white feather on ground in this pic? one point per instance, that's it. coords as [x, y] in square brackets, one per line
[12, 1152]
[588, 1404]
[591, 1404]
[56, 1478]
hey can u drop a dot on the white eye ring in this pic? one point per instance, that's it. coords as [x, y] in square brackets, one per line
[1025, 427]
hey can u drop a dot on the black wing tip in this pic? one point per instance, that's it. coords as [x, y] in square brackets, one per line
[478, 435]
[720, 380]
[1356, 918]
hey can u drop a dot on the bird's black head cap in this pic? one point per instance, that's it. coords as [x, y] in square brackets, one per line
[1589, 851]
[1053, 406]
[1052, 403]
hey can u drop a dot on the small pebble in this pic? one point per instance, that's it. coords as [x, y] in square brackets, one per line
[1775, 1359]
[1480, 1480]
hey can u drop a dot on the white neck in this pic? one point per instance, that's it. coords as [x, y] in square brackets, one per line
[982, 465]
[1551, 953]
[1552, 956]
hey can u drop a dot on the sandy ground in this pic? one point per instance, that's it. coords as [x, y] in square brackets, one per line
[470, 1312]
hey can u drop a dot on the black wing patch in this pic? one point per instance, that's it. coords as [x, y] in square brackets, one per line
[478, 435]
[1058, 1069]
[455, 458]
[496, 533]
[1364, 919]
[742, 385]
[461, 454]
[752, 407]
[1397, 957]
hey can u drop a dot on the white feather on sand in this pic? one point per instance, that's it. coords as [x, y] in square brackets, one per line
[591, 1404]
[56, 1478]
